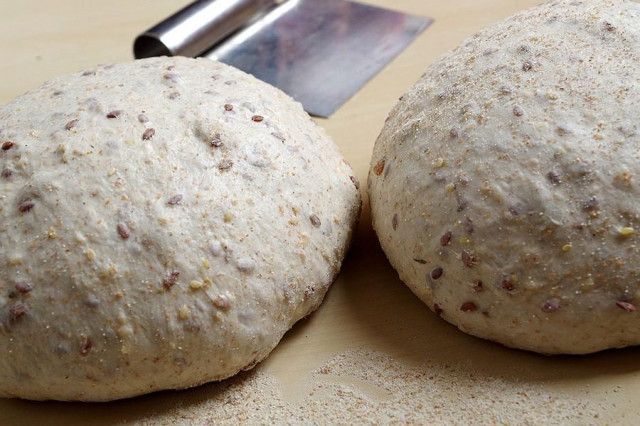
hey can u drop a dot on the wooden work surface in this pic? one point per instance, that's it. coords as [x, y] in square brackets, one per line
[368, 309]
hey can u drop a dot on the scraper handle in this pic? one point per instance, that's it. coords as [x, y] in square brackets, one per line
[198, 27]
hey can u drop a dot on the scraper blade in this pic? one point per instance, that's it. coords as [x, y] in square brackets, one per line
[320, 52]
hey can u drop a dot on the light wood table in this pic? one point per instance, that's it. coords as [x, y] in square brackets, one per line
[368, 308]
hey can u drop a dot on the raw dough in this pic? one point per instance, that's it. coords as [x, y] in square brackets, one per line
[162, 224]
[504, 187]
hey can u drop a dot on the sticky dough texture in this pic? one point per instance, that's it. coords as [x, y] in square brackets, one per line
[134, 260]
[504, 185]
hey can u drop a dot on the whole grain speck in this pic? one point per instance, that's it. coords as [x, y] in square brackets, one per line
[26, 206]
[626, 231]
[518, 111]
[170, 280]
[92, 301]
[85, 345]
[225, 165]
[355, 181]
[315, 220]
[468, 226]
[148, 133]
[527, 66]
[550, 305]
[506, 90]
[468, 307]
[257, 118]
[90, 254]
[115, 114]
[626, 306]
[554, 177]
[216, 140]
[445, 240]
[6, 146]
[468, 259]
[228, 107]
[173, 77]
[123, 230]
[437, 309]
[71, 124]
[184, 312]
[222, 302]
[507, 284]
[23, 287]
[18, 311]
[436, 273]
[590, 204]
[379, 167]
[196, 285]
[278, 136]
[394, 221]
[175, 199]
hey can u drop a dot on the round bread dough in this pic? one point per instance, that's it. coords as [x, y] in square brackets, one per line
[504, 187]
[162, 224]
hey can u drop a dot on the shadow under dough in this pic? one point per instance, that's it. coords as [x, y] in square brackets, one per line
[146, 407]
[404, 328]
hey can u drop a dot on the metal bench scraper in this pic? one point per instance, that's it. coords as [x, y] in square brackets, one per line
[320, 52]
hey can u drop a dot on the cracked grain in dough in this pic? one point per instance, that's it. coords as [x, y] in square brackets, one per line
[504, 185]
[162, 224]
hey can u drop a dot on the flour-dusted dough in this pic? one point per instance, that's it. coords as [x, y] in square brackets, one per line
[162, 224]
[504, 187]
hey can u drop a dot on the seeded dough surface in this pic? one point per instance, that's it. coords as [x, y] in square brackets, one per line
[162, 224]
[504, 187]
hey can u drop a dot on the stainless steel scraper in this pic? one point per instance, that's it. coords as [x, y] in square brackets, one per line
[320, 52]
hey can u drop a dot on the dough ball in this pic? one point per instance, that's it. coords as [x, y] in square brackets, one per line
[504, 187]
[162, 224]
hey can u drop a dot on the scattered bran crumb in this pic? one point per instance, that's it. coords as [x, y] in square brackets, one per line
[368, 387]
